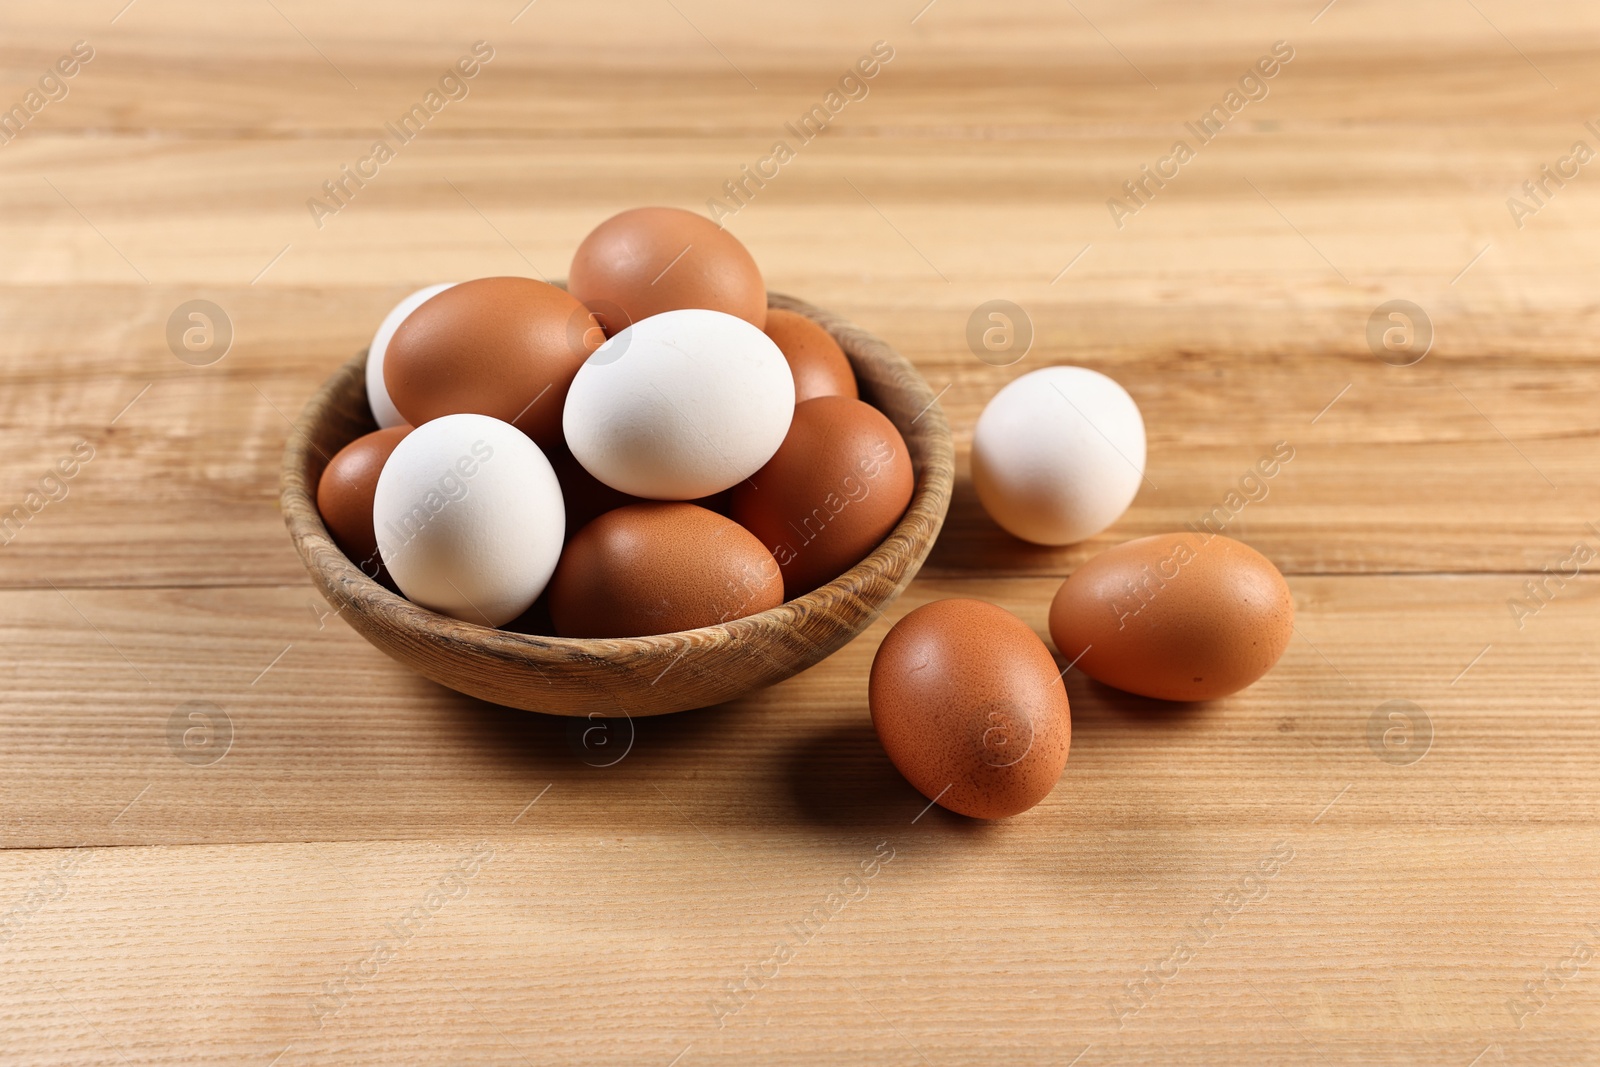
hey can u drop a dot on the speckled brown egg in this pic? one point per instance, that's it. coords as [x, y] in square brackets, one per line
[658, 568]
[504, 347]
[1179, 616]
[969, 705]
[819, 365]
[654, 259]
[830, 494]
[345, 490]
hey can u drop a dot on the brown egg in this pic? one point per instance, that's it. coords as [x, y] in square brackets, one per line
[654, 259]
[833, 491]
[658, 568]
[819, 365]
[969, 705]
[344, 495]
[505, 347]
[1179, 616]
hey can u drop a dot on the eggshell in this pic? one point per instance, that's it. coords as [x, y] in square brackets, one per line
[658, 568]
[680, 405]
[654, 259]
[503, 347]
[819, 365]
[833, 491]
[969, 705]
[1058, 455]
[345, 491]
[1179, 616]
[469, 518]
[383, 409]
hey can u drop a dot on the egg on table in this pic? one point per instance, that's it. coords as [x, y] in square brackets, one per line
[1179, 616]
[969, 705]
[680, 405]
[660, 567]
[1058, 455]
[469, 518]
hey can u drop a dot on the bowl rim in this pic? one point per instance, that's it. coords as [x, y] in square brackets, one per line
[895, 559]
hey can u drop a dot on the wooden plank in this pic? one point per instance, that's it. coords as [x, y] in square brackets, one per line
[642, 70]
[1440, 466]
[209, 954]
[208, 212]
[641, 889]
[326, 738]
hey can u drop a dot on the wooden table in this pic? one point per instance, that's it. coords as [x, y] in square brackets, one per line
[1307, 872]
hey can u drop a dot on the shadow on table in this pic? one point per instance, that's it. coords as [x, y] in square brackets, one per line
[1095, 702]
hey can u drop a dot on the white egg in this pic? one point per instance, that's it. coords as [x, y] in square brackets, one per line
[469, 518]
[377, 393]
[1058, 455]
[680, 405]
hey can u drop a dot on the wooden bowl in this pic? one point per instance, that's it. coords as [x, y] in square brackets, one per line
[636, 675]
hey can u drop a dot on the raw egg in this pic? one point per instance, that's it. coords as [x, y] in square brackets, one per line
[503, 347]
[383, 409]
[1058, 455]
[833, 491]
[345, 491]
[969, 705]
[1180, 616]
[654, 259]
[469, 518]
[680, 405]
[819, 365]
[657, 568]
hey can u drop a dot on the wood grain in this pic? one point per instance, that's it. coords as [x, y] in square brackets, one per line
[159, 906]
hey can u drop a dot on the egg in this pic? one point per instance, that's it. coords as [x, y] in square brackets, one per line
[1179, 616]
[503, 347]
[469, 518]
[969, 705]
[1058, 455]
[654, 259]
[658, 568]
[680, 405]
[833, 491]
[819, 365]
[383, 409]
[345, 491]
